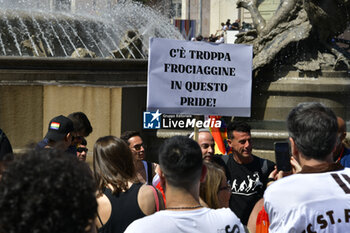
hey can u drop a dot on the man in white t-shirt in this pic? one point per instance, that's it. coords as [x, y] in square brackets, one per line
[182, 170]
[317, 199]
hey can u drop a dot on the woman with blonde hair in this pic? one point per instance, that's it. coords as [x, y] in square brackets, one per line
[120, 199]
[215, 191]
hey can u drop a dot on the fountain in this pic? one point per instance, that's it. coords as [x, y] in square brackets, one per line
[296, 60]
[299, 35]
[100, 32]
[85, 56]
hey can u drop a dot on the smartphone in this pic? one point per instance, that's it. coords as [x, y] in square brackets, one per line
[282, 155]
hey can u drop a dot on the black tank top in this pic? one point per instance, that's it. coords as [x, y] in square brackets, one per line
[125, 209]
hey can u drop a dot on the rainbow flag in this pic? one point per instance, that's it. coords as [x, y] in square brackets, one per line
[55, 125]
[186, 27]
[220, 137]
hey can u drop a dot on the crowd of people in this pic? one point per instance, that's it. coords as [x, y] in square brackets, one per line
[50, 188]
[219, 36]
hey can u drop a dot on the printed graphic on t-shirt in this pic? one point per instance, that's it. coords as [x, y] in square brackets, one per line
[247, 186]
[341, 183]
[235, 229]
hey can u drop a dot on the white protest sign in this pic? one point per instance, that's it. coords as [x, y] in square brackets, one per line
[199, 78]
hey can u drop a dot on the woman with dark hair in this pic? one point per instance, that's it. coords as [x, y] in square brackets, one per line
[120, 200]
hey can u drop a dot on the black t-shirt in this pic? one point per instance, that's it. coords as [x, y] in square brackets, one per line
[248, 183]
[125, 209]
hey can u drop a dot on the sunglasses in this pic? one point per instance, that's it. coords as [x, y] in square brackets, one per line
[82, 149]
[77, 137]
[137, 147]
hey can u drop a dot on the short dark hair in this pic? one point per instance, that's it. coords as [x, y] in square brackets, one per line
[125, 136]
[81, 123]
[313, 128]
[83, 142]
[180, 159]
[239, 126]
[47, 191]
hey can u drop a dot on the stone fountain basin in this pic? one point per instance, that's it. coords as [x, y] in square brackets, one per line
[42, 34]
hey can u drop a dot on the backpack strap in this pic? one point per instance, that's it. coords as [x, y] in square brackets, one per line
[264, 167]
[263, 163]
[225, 158]
[149, 173]
[156, 198]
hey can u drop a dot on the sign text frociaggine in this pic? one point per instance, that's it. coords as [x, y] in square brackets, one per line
[199, 78]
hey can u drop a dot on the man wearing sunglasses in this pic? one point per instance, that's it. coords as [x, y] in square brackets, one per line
[82, 150]
[81, 128]
[145, 170]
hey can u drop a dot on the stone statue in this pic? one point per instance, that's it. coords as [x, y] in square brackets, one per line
[83, 53]
[34, 47]
[130, 46]
[299, 34]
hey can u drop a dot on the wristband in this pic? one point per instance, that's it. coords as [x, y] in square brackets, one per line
[270, 180]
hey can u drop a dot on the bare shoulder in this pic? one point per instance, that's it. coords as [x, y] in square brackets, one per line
[104, 210]
[146, 200]
[103, 200]
[146, 194]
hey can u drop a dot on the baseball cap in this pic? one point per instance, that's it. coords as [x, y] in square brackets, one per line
[59, 127]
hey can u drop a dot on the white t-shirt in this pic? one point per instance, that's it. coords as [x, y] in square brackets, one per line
[192, 221]
[220, 40]
[313, 202]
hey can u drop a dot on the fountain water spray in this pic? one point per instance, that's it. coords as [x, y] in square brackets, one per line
[51, 29]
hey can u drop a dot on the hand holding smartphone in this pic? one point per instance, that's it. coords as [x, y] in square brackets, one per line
[282, 155]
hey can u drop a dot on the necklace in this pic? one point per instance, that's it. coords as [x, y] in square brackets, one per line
[341, 154]
[184, 207]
